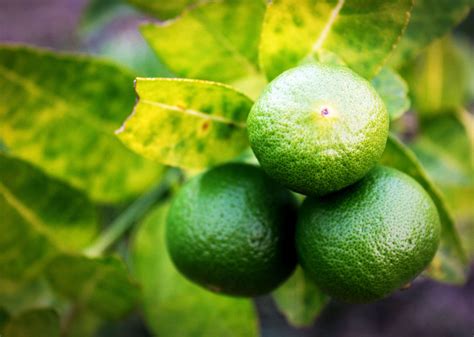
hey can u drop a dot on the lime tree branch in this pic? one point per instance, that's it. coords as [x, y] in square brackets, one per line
[132, 214]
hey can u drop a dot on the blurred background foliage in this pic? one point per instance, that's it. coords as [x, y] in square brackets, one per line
[98, 296]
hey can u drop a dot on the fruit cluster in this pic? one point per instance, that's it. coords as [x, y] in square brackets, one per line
[363, 231]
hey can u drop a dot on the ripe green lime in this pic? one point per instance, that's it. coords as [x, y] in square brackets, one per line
[318, 128]
[366, 241]
[231, 230]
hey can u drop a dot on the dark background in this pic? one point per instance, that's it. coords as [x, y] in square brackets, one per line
[426, 309]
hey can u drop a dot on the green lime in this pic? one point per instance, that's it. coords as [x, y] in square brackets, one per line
[318, 128]
[366, 241]
[231, 230]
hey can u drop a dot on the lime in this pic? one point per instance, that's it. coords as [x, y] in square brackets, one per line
[231, 230]
[318, 128]
[364, 242]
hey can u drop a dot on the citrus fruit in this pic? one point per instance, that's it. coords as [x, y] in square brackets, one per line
[364, 242]
[231, 230]
[318, 128]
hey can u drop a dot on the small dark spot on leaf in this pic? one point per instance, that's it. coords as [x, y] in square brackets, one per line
[205, 126]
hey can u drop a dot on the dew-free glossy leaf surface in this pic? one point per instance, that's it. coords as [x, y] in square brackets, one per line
[215, 41]
[362, 33]
[59, 112]
[439, 78]
[101, 285]
[430, 19]
[187, 123]
[163, 9]
[173, 306]
[33, 323]
[299, 299]
[39, 215]
[450, 262]
[447, 153]
[393, 90]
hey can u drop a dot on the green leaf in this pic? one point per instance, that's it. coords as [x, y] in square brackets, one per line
[59, 112]
[450, 262]
[216, 41]
[173, 306]
[362, 33]
[4, 317]
[39, 216]
[101, 285]
[163, 9]
[187, 123]
[30, 295]
[37, 323]
[300, 300]
[430, 19]
[393, 90]
[439, 78]
[447, 153]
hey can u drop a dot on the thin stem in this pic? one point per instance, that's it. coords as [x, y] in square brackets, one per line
[133, 213]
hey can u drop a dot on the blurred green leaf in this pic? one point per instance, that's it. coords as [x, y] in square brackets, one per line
[101, 285]
[430, 19]
[216, 41]
[447, 153]
[393, 90]
[300, 300]
[39, 216]
[34, 323]
[4, 317]
[164, 9]
[35, 293]
[57, 110]
[450, 262]
[187, 123]
[295, 30]
[174, 306]
[439, 78]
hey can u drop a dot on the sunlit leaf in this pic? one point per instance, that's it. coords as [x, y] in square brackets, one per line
[187, 123]
[300, 300]
[430, 19]
[216, 41]
[163, 9]
[101, 285]
[447, 153]
[173, 306]
[450, 262]
[393, 90]
[362, 33]
[439, 78]
[37, 323]
[59, 112]
[39, 215]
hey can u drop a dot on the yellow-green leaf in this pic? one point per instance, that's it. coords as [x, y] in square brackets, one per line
[215, 41]
[447, 153]
[39, 215]
[173, 306]
[450, 262]
[101, 285]
[163, 9]
[393, 90]
[430, 19]
[33, 323]
[300, 300]
[187, 123]
[362, 33]
[439, 78]
[59, 112]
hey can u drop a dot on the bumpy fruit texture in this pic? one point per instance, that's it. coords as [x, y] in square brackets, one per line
[231, 230]
[366, 241]
[318, 128]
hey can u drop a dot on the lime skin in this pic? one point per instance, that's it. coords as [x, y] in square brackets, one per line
[231, 230]
[368, 240]
[318, 128]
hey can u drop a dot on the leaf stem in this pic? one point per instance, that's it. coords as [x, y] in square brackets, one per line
[133, 213]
